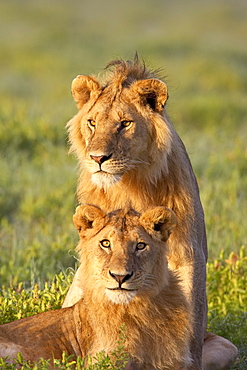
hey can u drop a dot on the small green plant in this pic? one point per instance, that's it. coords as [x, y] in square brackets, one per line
[17, 303]
[227, 282]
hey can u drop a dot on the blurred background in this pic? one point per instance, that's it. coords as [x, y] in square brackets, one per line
[202, 48]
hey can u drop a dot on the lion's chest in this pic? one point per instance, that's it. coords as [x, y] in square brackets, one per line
[147, 337]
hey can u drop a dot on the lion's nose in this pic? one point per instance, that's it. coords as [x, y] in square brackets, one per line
[121, 278]
[100, 158]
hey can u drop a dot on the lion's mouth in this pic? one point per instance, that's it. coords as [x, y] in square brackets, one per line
[102, 172]
[109, 172]
[122, 289]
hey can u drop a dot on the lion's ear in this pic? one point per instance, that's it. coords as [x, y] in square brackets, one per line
[159, 219]
[150, 92]
[83, 88]
[85, 216]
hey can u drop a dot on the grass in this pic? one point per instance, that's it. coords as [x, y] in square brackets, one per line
[227, 280]
[44, 45]
[227, 300]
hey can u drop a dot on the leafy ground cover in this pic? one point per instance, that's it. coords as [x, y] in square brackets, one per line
[227, 280]
[44, 44]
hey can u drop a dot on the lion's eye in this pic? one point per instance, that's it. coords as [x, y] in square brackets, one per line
[126, 124]
[105, 243]
[91, 123]
[140, 246]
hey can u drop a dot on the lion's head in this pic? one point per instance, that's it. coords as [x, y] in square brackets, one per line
[123, 254]
[120, 128]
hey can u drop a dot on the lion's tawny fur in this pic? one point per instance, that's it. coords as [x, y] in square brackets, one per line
[157, 316]
[123, 121]
[131, 155]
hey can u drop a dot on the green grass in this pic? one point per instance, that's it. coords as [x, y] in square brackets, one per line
[227, 300]
[227, 281]
[44, 44]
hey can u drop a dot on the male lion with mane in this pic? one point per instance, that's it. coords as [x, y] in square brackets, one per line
[130, 154]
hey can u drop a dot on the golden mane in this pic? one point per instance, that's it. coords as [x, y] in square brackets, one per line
[124, 73]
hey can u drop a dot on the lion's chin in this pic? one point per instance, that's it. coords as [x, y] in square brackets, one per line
[120, 296]
[105, 180]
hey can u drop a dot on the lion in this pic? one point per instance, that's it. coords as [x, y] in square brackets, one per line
[130, 154]
[126, 281]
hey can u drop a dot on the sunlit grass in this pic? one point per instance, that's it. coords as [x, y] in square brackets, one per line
[227, 280]
[44, 45]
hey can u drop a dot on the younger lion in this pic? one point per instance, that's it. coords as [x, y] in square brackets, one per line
[125, 280]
